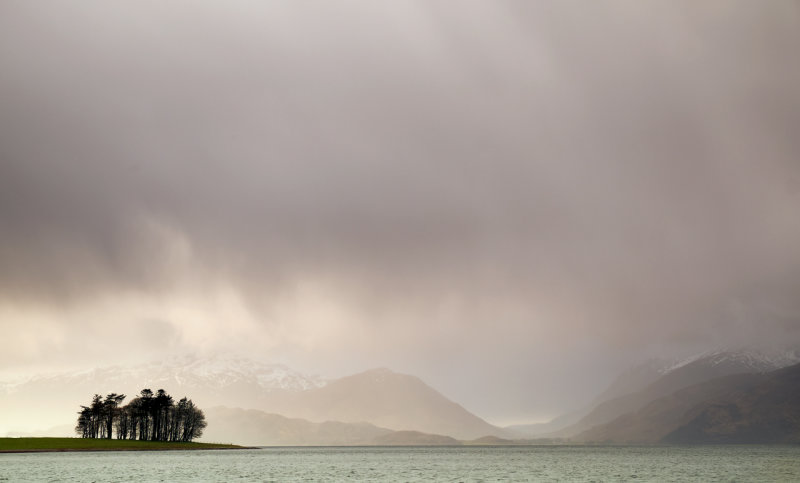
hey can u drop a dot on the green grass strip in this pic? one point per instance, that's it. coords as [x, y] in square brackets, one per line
[9, 445]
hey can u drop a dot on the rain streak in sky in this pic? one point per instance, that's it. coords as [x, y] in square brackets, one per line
[512, 198]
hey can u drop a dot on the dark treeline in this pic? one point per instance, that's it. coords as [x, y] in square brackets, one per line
[147, 417]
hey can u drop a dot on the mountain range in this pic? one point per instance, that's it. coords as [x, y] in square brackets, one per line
[207, 381]
[743, 408]
[718, 396]
[254, 427]
[385, 399]
[650, 413]
[654, 379]
[765, 411]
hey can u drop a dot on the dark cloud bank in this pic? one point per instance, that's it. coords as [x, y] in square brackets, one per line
[530, 194]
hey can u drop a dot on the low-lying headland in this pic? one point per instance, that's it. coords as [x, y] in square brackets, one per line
[35, 445]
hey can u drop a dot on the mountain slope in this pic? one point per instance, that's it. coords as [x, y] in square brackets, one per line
[767, 412]
[217, 372]
[207, 381]
[682, 374]
[743, 408]
[660, 417]
[380, 397]
[630, 381]
[257, 428]
[635, 379]
[414, 438]
[387, 399]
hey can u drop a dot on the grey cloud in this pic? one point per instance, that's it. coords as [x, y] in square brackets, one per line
[624, 171]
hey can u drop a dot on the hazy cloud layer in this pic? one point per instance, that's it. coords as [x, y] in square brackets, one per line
[447, 188]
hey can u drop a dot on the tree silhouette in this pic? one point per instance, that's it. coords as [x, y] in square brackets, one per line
[96, 410]
[147, 417]
[111, 412]
[145, 414]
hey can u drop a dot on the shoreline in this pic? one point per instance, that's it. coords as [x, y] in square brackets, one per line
[64, 445]
[101, 450]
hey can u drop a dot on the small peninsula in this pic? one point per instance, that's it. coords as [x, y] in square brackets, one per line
[38, 445]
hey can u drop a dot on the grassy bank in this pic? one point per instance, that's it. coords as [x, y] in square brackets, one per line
[22, 445]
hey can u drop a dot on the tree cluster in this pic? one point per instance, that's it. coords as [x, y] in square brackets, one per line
[147, 417]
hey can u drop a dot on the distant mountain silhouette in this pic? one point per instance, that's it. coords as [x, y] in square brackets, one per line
[630, 381]
[682, 374]
[211, 381]
[386, 399]
[660, 417]
[381, 397]
[491, 441]
[742, 408]
[257, 428]
[414, 438]
[767, 412]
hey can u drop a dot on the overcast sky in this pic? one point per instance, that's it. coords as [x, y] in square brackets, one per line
[506, 198]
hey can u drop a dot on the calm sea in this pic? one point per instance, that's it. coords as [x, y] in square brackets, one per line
[528, 463]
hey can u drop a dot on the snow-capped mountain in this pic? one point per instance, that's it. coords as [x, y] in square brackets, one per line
[222, 372]
[658, 377]
[216, 372]
[209, 381]
[753, 408]
[750, 360]
[723, 359]
[667, 377]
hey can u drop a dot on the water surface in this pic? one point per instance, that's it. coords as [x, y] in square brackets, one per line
[518, 463]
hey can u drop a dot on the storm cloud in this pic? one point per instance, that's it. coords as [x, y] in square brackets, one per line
[449, 188]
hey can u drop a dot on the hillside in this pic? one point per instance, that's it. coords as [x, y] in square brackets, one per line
[254, 427]
[414, 438]
[694, 370]
[257, 428]
[629, 382]
[743, 408]
[380, 397]
[654, 421]
[207, 381]
[766, 413]
[386, 399]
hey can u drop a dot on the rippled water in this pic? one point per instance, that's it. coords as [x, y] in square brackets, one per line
[528, 463]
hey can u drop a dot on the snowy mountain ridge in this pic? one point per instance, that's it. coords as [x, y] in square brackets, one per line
[755, 360]
[216, 372]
